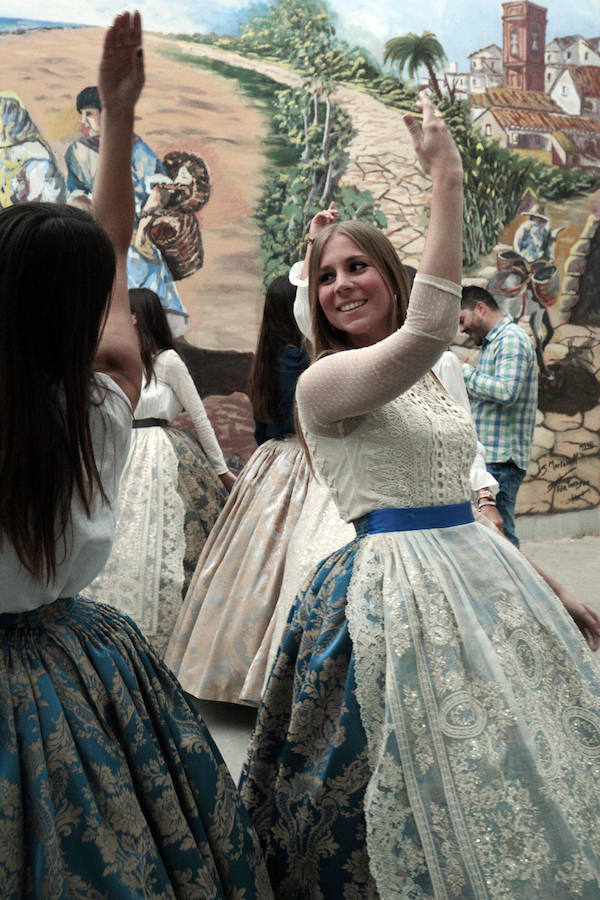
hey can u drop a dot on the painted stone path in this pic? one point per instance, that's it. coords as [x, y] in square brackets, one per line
[382, 159]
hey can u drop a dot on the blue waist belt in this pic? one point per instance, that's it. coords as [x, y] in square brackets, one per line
[414, 518]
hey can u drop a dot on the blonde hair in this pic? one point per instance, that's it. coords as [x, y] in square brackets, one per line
[374, 244]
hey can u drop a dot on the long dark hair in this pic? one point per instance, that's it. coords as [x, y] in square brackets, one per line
[152, 327]
[278, 330]
[380, 250]
[57, 267]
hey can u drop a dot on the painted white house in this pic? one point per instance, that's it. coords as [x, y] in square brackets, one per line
[572, 50]
[486, 68]
[455, 82]
[512, 98]
[576, 89]
[485, 71]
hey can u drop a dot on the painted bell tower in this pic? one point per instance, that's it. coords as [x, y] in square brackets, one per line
[523, 45]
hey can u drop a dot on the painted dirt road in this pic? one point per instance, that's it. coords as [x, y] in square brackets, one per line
[182, 107]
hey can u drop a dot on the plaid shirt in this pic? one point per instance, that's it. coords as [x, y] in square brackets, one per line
[503, 391]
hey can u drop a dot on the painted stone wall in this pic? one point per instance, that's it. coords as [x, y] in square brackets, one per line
[564, 473]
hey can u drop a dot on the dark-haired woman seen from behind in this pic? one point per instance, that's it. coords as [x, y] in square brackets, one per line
[172, 488]
[220, 645]
[109, 785]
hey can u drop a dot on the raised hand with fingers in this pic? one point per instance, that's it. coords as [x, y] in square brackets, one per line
[440, 159]
[323, 218]
[434, 145]
[121, 72]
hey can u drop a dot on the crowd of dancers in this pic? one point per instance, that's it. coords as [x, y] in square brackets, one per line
[428, 712]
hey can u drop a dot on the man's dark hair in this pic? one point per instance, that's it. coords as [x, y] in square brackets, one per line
[88, 98]
[471, 294]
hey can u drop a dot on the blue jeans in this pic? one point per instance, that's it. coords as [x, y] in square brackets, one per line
[509, 476]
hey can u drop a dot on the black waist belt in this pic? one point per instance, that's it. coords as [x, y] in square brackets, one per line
[148, 423]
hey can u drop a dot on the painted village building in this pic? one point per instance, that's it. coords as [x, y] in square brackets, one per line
[486, 68]
[533, 123]
[523, 45]
[571, 50]
[577, 90]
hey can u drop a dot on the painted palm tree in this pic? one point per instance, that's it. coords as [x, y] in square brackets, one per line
[413, 51]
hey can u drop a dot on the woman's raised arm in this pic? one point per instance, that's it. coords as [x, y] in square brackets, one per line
[120, 81]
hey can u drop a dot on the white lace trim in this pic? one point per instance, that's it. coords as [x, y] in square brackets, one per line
[482, 720]
[144, 574]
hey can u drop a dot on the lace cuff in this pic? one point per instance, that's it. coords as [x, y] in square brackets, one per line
[450, 287]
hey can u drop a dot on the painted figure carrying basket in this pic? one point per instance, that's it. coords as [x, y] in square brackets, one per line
[169, 220]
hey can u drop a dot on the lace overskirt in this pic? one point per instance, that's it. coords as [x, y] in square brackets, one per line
[220, 644]
[169, 499]
[110, 785]
[434, 711]
[319, 531]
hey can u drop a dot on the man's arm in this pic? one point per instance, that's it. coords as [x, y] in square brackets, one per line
[513, 363]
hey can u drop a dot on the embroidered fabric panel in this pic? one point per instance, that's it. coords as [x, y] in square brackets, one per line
[482, 720]
[414, 451]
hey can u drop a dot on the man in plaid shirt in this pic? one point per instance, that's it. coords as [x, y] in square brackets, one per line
[503, 391]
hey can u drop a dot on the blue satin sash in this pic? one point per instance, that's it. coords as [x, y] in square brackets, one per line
[415, 518]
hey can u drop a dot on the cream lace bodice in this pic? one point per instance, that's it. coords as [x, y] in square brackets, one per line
[380, 428]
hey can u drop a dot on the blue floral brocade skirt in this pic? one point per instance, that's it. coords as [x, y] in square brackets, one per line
[430, 729]
[110, 785]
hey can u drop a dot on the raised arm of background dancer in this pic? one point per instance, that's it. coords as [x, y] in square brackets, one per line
[120, 81]
[322, 219]
[299, 272]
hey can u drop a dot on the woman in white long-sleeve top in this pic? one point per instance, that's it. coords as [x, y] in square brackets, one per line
[431, 727]
[172, 489]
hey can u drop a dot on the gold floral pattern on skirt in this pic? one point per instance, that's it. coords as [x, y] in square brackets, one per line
[110, 786]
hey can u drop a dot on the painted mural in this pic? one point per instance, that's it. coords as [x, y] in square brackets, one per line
[256, 116]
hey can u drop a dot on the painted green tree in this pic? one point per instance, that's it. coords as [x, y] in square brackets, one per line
[413, 51]
[316, 133]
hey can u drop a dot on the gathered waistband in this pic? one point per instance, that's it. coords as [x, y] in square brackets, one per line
[414, 518]
[39, 617]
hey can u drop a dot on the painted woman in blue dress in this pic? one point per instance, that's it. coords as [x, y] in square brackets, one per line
[110, 786]
[431, 727]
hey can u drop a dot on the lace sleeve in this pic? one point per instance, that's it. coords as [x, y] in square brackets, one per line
[179, 379]
[356, 382]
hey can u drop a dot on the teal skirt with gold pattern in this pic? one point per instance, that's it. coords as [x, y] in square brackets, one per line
[110, 785]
